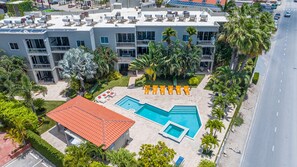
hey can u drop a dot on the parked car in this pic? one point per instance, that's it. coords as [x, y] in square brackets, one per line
[52, 2]
[277, 16]
[295, 0]
[287, 14]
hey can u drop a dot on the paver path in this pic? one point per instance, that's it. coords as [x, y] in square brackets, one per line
[6, 147]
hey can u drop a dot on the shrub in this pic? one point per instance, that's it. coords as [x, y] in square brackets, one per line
[88, 96]
[238, 120]
[255, 78]
[71, 93]
[39, 104]
[74, 84]
[206, 163]
[193, 81]
[48, 151]
[140, 81]
[115, 75]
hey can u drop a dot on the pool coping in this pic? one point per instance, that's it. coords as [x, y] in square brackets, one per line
[167, 135]
[134, 112]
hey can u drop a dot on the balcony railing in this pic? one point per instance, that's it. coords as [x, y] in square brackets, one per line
[60, 48]
[41, 66]
[206, 57]
[125, 44]
[37, 50]
[205, 42]
[143, 42]
[125, 59]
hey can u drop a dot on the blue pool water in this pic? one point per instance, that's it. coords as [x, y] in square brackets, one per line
[186, 116]
[174, 131]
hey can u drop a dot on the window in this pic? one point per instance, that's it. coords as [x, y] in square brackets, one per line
[14, 46]
[104, 40]
[142, 50]
[185, 38]
[130, 37]
[35, 43]
[80, 43]
[126, 53]
[146, 35]
[200, 35]
[207, 51]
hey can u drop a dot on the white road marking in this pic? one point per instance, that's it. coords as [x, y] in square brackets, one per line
[277, 114]
[284, 54]
[33, 155]
[281, 81]
[37, 163]
[272, 148]
[278, 101]
[280, 90]
[282, 73]
[285, 48]
[275, 129]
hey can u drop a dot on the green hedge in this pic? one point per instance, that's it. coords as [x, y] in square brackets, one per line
[255, 78]
[48, 151]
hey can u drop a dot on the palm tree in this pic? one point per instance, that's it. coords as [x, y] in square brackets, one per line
[150, 63]
[228, 7]
[78, 64]
[76, 156]
[167, 34]
[191, 31]
[106, 59]
[218, 112]
[26, 88]
[214, 124]
[208, 142]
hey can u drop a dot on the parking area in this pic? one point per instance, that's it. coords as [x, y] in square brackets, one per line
[30, 158]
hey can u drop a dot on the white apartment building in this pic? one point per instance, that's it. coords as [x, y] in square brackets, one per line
[43, 39]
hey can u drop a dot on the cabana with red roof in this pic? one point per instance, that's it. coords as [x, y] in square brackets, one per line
[80, 119]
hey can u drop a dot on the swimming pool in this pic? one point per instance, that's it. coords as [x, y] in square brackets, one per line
[186, 116]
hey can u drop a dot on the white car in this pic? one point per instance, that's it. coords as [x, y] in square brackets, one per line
[287, 14]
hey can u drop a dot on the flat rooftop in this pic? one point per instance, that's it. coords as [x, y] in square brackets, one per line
[129, 17]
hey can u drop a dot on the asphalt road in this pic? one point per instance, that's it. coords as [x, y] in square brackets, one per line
[273, 136]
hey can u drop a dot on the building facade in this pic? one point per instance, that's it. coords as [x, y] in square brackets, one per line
[43, 40]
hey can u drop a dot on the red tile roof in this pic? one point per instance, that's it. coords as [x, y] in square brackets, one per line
[91, 121]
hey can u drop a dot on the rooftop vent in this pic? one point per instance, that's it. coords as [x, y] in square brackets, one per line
[193, 17]
[204, 16]
[186, 14]
[170, 17]
[8, 23]
[159, 17]
[132, 19]
[89, 21]
[110, 19]
[148, 17]
[77, 21]
[31, 23]
[121, 19]
[66, 21]
[181, 17]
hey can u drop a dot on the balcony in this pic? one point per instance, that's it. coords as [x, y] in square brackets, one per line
[125, 44]
[144, 42]
[125, 59]
[37, 50]
[60, 48]
[207, 57]
[206, 42]
[39, 66]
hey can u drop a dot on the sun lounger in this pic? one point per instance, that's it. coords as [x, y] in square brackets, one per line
[100, 99]
[155, 89]
[147, 89]
[179, 161]
[178, 90]
[187, 90]
[162, 90]
[170, 90]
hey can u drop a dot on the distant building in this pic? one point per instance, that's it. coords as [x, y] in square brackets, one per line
[81, 119]
[43, 39]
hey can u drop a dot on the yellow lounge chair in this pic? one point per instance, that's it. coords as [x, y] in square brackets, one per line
[186, 90]
[147, 89]
[155, 89]
[162, 90]
[170, 90]
[178, 90]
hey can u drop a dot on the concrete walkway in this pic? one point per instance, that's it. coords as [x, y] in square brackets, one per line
[53, 92]
[132, 80]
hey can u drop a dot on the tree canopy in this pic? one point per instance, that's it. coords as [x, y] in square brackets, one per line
[156, 155]
[122, 158]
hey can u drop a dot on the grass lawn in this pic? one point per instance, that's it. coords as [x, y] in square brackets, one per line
[169, 81]
[122, 82]
[48, 123]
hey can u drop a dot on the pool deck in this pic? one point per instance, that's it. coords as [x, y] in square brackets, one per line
[147, 132]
